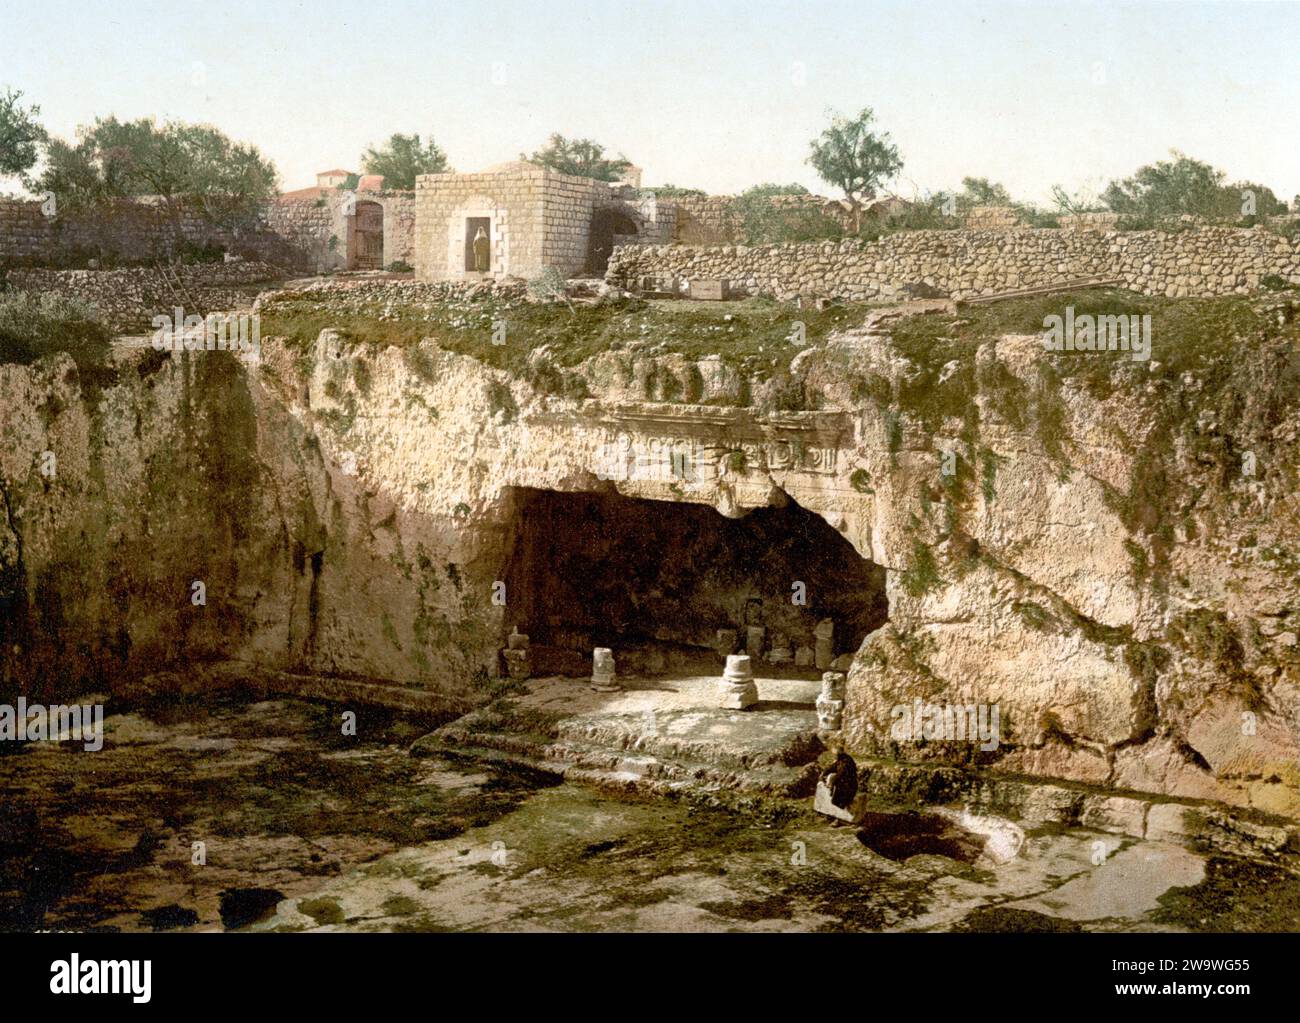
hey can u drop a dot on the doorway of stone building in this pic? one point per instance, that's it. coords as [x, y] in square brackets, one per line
[472, 226]
[655, 580]
[608, 228]
[366, 238]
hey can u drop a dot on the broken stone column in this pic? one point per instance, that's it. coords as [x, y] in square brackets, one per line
[518, 660]
[830, 704]
[754, 636]
[602, 671]
[824, 644]
[736, 689]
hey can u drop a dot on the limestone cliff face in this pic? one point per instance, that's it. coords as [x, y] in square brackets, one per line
[119, 495]
[1081, 549]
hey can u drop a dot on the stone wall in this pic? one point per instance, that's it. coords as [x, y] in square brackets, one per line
[128, 232]
[307, 226]
[302, 233]
[966, 264]
[130, 297]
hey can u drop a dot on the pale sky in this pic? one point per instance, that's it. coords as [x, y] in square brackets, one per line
[712, 94]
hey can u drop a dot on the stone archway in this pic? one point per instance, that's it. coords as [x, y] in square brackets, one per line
[610, 226]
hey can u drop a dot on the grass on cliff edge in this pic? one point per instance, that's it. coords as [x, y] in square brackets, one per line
[1223, 376]
[753, 335]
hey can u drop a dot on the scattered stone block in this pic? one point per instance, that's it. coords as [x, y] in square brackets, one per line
[1116, 814]
[822, 804]
[823, 644]
[710, 290]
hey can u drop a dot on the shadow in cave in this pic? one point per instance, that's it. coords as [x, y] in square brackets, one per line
[897, 836]
[655, 581]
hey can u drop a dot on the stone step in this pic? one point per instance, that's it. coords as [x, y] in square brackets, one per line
[624, 768]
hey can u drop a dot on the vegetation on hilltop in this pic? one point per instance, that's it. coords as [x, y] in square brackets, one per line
[754, 335]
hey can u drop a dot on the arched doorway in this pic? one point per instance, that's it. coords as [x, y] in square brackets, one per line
[608, 228]
[366, 237]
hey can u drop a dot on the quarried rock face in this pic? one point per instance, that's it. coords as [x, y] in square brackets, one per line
[1039, 566]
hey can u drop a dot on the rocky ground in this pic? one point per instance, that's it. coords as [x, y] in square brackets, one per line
[303, 827]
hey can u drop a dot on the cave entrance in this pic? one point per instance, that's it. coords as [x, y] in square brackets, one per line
[655, 581]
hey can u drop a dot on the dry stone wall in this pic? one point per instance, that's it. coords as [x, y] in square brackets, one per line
[967, 264]
[301, 233]
[127, 232]
[129, 298]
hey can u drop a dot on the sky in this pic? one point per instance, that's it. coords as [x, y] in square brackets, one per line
[711, 94]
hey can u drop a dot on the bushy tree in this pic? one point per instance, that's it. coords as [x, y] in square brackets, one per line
[763, 222]
[225, 181]
[855, 159]
[580, 157]
[982, 192]
[1169, 189]
[20, 134]
[402, 158]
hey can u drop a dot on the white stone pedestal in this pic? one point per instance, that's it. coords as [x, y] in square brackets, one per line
[736, 689]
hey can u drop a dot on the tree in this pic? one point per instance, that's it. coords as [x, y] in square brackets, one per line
[20, 134]
[182, 164]
[1066, 204]
[855, 159]
[1263, 199]
[402, 158]
[580, 157]
[982, 192]
[1169, 189]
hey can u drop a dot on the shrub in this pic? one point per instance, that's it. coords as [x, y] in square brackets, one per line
[400, 266]
[32, 326]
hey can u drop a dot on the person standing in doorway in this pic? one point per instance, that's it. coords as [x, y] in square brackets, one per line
[482, 250]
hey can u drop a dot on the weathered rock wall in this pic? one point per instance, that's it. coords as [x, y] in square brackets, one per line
[967, 264]
[1091, 568]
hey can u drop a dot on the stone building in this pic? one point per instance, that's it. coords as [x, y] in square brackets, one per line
[535, 218]
[333, 228]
